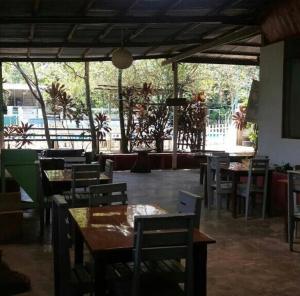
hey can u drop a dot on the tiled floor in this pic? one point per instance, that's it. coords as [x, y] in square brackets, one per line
[248, 259]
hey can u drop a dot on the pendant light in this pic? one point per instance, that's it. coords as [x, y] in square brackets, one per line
[121, 57]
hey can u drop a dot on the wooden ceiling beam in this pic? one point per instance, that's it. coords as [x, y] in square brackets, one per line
[165, 19]
[82, 12]
[35, 10]
[171, 5]
[237, 61]
[237, 35]
[109, 28]
[191, 27]
[72, 44]
[105, 33]
[228, 52]
[59, 53]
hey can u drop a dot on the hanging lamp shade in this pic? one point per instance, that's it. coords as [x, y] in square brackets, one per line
[122, 58]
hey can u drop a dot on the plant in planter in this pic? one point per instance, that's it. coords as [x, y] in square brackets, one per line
[192, 123]
[9, 133]
[22, 135]
[102, 127]
[79, 113]
[239, 120]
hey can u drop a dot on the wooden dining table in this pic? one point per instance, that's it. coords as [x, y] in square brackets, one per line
[108, 234]
[56, 176]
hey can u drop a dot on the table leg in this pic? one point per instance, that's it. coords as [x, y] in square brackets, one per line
[78, 246]
[234, 180]
[100, 276]
[200, 270]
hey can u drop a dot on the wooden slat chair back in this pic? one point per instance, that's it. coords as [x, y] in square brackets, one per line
[72, 160]
[108, 194]
[68, 281]
[48, 189]
[214, 178]
[83, 176]
[258, 164]
[293, 205]
[109, 169]
[189, 203]
[163, 237]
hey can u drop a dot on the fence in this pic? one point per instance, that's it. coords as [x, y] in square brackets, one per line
[219, 134]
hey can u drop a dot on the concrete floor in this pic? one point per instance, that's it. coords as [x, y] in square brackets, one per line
[248, 259]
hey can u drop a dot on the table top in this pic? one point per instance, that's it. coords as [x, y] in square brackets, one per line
[233, 155]
[66, 176]
[241, 167]
[111, 227]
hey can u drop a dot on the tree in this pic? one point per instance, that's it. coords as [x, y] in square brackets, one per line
[124, 139]
[33, 83]
[89, 106]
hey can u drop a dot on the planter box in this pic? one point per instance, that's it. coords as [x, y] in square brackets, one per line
[279, 193]
[158, 161]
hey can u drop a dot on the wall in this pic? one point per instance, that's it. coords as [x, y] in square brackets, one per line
[270, 109]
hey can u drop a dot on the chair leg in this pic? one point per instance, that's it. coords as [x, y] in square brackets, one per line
[291, 234]
[247, 204]
[47, 216]
[219, 200]
[264, 205]
[228, 201]
[42, 221]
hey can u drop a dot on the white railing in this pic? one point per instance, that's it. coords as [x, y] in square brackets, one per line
[216, 134]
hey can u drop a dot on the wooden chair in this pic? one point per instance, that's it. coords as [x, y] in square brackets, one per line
[107, 194]
[73, 160]
[190, 203]
[48, 190]
[293, 205]
[215, 181]
[109, 169]
[83, 176]
[68, 281]
[159, 238]
[251, 188]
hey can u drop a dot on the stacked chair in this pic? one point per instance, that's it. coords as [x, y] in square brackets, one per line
[215, 182]
[293, 206]
[69, 280]
[249, 190]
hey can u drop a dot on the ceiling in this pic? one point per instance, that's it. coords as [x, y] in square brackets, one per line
[210, 31]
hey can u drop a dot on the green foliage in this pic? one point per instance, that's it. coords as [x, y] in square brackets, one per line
[223, 85]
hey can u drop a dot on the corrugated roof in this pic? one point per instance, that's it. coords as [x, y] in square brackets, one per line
[53, 30]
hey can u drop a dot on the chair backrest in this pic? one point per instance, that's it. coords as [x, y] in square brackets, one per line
[293, 190]
[107, 194]
[161, 237]
[60, 242]
[50, 164]
[189, 203]
[109, 168]
[214, 165]
[72, 160]
[84, 175]
[258, 164]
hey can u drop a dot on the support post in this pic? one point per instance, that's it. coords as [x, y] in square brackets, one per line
[2, 130]
[175, 116]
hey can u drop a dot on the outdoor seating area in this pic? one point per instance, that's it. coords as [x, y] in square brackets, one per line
[149, 148]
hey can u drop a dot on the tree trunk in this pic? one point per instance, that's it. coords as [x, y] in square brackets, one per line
[89, 107]
[38, 96]
[46, 126]
[159, 145]
[124, 140]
